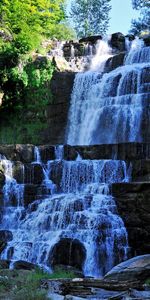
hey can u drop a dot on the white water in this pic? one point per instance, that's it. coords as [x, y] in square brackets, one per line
[84, 211]
[108, 108]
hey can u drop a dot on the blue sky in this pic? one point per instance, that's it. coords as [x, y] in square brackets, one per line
[121, 16]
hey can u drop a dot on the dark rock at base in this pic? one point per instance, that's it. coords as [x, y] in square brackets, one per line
[69, 252]
[24, 265]
[4, 264]
[134, 269]
[118, 41]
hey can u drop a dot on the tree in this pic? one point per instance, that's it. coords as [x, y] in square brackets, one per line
[29, 20]
[90, 17]
[143, 22]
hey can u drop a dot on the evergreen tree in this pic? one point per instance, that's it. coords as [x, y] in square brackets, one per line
[143, 22]
[90, 17]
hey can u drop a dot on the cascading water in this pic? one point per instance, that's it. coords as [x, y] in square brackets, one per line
[13, 196]
[76, 212]
[108, 108]
[83, 211]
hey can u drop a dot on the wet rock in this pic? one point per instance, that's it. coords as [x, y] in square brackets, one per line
[115, 62]
[24, 265]
[70, 153]
[23, 153]
[6, 235]
[133, 203]
[33, 192]
[146, 39]
[33, 174]
[131, 37]
[91, 39]
[68, 252]
[2, 246]
[141, 170]
[57, 112]
[47, 152]
[134, 269]
[18, 171]
[118, 41]
[54, 296]
[2, 177]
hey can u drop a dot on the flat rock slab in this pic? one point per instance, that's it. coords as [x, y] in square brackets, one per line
[136, 268]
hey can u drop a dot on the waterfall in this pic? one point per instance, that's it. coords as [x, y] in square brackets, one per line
[73, 209]
[13, 196]
[84, 211]
[12, 191]
[108, 107]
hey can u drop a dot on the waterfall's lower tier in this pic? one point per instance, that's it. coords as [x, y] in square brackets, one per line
[89, 220]
[78, 226]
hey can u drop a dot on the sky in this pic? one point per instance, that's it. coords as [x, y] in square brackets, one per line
[121, 16]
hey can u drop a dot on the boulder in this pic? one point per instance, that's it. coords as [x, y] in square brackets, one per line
[92, 39]
[114, 62]
[24, 265]
[134, 269]
[118, 41]
[146, 39]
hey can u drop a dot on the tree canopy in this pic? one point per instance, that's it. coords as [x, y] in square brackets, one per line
[142, 24]
[90, 16]
[28, 20]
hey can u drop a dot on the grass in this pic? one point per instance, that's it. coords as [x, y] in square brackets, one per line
[25, 285]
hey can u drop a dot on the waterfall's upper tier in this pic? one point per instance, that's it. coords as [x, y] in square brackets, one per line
[112, 107]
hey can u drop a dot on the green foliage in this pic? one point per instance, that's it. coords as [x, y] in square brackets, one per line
[90, 16]
[142, 24]
[29, 20]
[21, 285]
